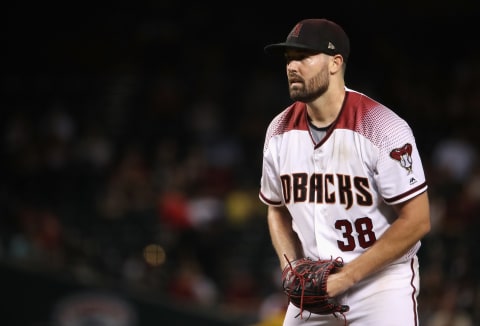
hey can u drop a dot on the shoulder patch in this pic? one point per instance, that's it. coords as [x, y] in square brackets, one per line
[404, 156]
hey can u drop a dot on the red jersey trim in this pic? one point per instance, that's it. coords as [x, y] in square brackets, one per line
[406, 194]
[268, 201]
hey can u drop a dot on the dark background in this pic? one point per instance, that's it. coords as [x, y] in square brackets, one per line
[126, 124]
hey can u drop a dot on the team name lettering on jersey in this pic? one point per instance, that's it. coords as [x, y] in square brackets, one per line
[326, 188]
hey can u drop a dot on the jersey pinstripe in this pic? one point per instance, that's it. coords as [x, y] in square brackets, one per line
[339, 190]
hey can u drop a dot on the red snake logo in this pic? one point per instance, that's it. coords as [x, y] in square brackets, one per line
[404, 156]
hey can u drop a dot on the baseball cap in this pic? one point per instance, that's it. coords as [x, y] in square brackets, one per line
[317, 35]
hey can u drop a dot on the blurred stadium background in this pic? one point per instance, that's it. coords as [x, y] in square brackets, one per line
[131, 140]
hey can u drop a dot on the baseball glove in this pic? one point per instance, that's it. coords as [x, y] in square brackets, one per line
[305, 283]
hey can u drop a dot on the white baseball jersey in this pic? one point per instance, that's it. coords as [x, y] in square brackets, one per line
[338, 191]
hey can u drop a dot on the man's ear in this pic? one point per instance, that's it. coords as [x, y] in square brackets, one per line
[336, 64]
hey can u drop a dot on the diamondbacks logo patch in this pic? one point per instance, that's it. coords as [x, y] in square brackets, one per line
[404, 156]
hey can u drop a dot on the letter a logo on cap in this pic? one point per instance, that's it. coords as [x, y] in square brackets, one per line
[296, 30]
[331, 46]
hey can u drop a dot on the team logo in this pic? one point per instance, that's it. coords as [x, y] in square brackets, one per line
[296, 30]
[404, 156]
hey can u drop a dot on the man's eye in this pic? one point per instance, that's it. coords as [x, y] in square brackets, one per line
[296, 57]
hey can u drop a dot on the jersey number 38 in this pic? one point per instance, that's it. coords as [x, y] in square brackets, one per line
[362, 228]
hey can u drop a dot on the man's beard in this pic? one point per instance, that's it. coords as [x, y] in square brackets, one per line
[312, 89]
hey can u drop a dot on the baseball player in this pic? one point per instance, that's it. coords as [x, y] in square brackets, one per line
[342, 177]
